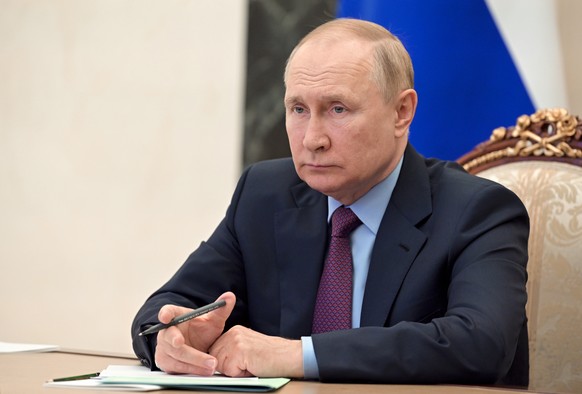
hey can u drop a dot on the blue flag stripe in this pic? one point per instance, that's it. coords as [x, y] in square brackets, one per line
[465, 76]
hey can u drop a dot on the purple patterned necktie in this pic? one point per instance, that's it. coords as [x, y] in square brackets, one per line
[333, 307]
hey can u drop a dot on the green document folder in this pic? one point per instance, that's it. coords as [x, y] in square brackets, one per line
[124, 375]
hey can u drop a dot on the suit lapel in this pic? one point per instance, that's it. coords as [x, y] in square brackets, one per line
[301, 236]
[398, 240]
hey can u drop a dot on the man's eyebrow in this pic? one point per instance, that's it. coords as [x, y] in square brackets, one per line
[291, 100]
[328, 98]
[333, 97]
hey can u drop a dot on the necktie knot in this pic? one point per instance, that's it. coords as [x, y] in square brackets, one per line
[343, 222]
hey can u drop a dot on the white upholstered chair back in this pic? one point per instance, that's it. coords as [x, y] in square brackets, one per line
[540, 159]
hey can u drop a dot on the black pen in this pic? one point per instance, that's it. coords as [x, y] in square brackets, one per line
[185, 317]
[78, 377]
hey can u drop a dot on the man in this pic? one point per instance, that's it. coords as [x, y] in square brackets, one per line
[439, 256]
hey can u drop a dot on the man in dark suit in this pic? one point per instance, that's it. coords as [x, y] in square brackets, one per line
[439, 257]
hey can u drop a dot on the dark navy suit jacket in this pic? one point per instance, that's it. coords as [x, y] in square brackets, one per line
[445, 295]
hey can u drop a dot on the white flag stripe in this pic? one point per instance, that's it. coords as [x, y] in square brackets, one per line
[530, 31]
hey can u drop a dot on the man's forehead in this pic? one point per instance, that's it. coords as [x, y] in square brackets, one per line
[331, 75]
[341, 44]
[321, 55]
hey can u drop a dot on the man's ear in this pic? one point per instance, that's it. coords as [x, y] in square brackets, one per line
[405, 106]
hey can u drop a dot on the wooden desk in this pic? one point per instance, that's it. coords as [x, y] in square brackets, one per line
[25, 373]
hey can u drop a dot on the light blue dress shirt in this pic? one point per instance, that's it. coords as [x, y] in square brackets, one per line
[370, 209]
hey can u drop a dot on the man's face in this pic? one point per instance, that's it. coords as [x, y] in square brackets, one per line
[341, 130]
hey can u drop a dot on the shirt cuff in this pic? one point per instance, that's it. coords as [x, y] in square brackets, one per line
[310, 368]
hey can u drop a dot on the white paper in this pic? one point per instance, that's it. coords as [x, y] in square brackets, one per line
[140, 378]
[8, 347]
[139, 371]
[96, 384]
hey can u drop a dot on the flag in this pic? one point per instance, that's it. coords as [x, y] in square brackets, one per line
[479, 64]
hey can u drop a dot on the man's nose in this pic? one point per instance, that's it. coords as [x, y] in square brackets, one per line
[316, 138]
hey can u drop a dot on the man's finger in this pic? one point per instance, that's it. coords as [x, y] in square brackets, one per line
[182, 358]
[223, 313]
[168, 312]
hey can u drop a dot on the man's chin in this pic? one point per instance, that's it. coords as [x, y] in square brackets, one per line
[321, 185]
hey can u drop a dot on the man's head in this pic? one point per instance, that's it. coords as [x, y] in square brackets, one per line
[349, 103]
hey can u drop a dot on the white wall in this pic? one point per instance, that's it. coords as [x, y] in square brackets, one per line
[120, 133]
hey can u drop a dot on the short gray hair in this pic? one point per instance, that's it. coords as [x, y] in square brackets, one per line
[392, 72]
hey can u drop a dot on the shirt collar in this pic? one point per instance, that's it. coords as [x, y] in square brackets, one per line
[371, 206]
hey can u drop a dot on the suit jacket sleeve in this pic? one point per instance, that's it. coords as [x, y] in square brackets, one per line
[213, 268]
[242, 256]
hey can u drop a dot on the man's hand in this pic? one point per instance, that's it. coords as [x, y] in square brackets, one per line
[183, 348]
[244, 352]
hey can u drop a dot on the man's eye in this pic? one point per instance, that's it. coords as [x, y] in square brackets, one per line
[299, 110]
[339, 110]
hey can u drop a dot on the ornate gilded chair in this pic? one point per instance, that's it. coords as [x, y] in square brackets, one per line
[540, 159]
